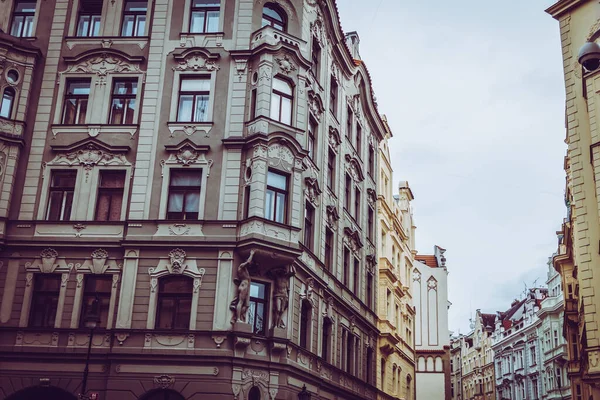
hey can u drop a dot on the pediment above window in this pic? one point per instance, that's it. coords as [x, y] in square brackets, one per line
[195, 59]
[312, 191]
[89, 153]
[354, 168]
[177, 263]
[352, 238]
[332, 217]
[188, 153]
[102, 62]
[334, 138]
[371, 197]
[315, 104]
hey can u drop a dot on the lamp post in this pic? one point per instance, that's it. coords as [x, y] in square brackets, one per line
[91, 321]
[304, 394]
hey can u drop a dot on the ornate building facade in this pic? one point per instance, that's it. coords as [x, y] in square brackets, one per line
[396, 352]
[578, 257]
[204, 174]
[432, 337]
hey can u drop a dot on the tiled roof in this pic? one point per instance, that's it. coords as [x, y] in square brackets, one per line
[428, 260]
[488, 320]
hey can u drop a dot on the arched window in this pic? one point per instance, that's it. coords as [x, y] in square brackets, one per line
[281, 101]
[8, 99]
[409, 387]
[254, 393]
[305, 310]
[274, 16]
[394, 382]
[174, 304]
[326, 340]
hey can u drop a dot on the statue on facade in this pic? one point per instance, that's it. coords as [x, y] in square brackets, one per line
[281, 293]
[241, 302]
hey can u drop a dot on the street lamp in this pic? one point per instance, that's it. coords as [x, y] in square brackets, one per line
[304, 394]
[90, 321]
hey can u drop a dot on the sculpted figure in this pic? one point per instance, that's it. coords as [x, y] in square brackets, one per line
[281, 294]
[241, 302]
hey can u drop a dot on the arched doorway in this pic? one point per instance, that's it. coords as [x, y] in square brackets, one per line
[162, 394]
[42, 392]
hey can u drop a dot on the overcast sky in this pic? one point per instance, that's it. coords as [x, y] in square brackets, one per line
[474, 95]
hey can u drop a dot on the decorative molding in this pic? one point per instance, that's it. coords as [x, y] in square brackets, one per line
[371, 262]
[317, 27]
[286, 65]
[332, 217]
[177, 258]
[312, 190]
[354, 168]
[102, 65]
[432, 283]
[196, 60]
[190, 128]
[334, 138]
[187, 153]
[352, 238]
[371, 197]
[164, 381]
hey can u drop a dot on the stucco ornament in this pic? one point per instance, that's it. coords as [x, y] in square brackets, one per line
[102, 65]
[416, 275]
[312, 190]
[164, 381]
[371, 262]
[316, 27]
[432, 283]
[89, 157]
[239, 305]
[177, 259]
[99, 257]
[280, 156]
[332, 217]
[309, 292]
[48, 260]
[285, 64]
[352, 239]
[196, 62]
[281, 293]
[187, 156]
[334, 138]
[315, 104]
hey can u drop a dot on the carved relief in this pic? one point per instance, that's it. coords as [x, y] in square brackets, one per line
[315, 104]
[239, 305]
[285, 64]
[432, 283]
[312, 190]
[196, 61]
[334, 138]
[332, 217]
[89, 157]
[48, 264]
[352, 239]
[102, 65]
[353, 167]
[177, 261]
[416, 275]
[371, 197]
[281, 293]
[309, 292]
[371, 262]
[99, 257]
[164, 381]
[280, 156]
[316, 27]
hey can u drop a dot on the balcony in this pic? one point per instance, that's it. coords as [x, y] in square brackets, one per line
[271, 234]
[12, 128]
[571, 306]
[573, 367]
[272, 37]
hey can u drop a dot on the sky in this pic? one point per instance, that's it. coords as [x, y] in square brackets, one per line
[474, 95]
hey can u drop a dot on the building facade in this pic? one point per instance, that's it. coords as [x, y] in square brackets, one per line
[456, 344]
[204, 174]
[577, 257]
[432, 337]
[477, 359]
[396, 352]
[552, 343]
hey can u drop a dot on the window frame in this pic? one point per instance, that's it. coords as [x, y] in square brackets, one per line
[36, 294]
[329, 246]
[195, 94]
[90, 14]
[346, 267]
[331, 166]
[304, 326]
[186, 190]
[126, 97]
[174, 111]
[272, 21]
[313, 128]
[309, 225]
[264, 302]
[189, 6]
[64, 190]
[279, 95]
[136, 14]
[25, 14]
[164, 195]
[276, 191]
[66, 97]
[110, 190]
[107, 296]
[11, 107]
[178, 296]
[315, 54]
[333, 97]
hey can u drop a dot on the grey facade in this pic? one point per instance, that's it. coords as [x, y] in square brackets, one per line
[209, 169]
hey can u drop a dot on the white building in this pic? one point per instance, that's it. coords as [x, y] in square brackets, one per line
[432, 339]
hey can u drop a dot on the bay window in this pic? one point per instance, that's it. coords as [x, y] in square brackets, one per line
[281, 101]
[276, 197]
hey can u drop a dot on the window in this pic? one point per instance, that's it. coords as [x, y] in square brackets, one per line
[348, 193]
[356, 277]
[304, 324]
[134, 18]
[349, 367]
[8, 99]
[316, 58]
[204, 17]
[76, 102]
[110, 195]
[383, 381]
[346, 277]
[100, 286]
[174, 303]
[62, 188]
[559, 378]
[88, 22]
[369, 365]
[349, 122]
[274, 16]
[326, 339]
[276, 197]
[370, 224]
[122, 104]
[194, 93]
[22, 18]
[555, 334]
[331, 170]
[184, 194]
[371, 161]
[358, 139]
[281, 101]
[578, 394]
[369, 290]
[532, 355]
[258, 307]
[46, 290]
[312, 134]
[333, 94]
[328, 249]
[357, 204]
[309, 222]
[254, 393]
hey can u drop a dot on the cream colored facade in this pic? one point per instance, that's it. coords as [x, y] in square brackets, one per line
[172, 212]
[578, 257]
[396, 353]
[477, 359]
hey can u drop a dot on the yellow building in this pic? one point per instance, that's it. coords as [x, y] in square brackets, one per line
[396, 354]
[578, 256]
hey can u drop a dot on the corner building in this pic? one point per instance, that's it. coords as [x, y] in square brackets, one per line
[578, 255]
[207, 170]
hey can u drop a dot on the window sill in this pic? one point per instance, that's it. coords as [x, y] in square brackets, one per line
[201, 39]
[11, 126]
[94, 129]
[190, 128]
[106, 41]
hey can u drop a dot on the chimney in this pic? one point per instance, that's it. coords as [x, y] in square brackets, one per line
[353, 43]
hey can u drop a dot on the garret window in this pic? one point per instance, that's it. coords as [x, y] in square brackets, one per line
[274, 16]
[204, 17]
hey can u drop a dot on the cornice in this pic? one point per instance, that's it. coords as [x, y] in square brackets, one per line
[559, 8]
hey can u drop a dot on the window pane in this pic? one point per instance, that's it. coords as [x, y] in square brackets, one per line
[275, 104]
[185, 108]
[282, 86]
[128, 21]
[137, 6]
[197, 22]
[201, 112]
[182, 317]
[192, 202]
[269, 204]
[186, 178]
[78, 88]
[260, 312]
[175, 202]
[286, 111]
[47, 283]
[125, 87]
[268, 11]
[213, 21]
[257, 290]
[206, 3]
[117, 111]
[82, 111]
[17, 25]
[175, 285]
[277, 180]
[25, 6]
[95, 31]
[280, 211]
[83, 25]
[195, 85]
[140, 29]
[6, 106]
[166, 308]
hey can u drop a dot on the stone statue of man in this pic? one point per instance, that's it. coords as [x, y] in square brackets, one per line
[281, 293]
[241, 302]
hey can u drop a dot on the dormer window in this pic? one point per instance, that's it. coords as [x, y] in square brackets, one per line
[274, 16]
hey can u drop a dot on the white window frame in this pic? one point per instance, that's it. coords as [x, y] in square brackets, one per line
[108, 97]
[185, 28]
[35, 19]
[58, 111]
[175, 96]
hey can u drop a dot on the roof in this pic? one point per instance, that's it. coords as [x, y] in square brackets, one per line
[428, 260]
[488, 320]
